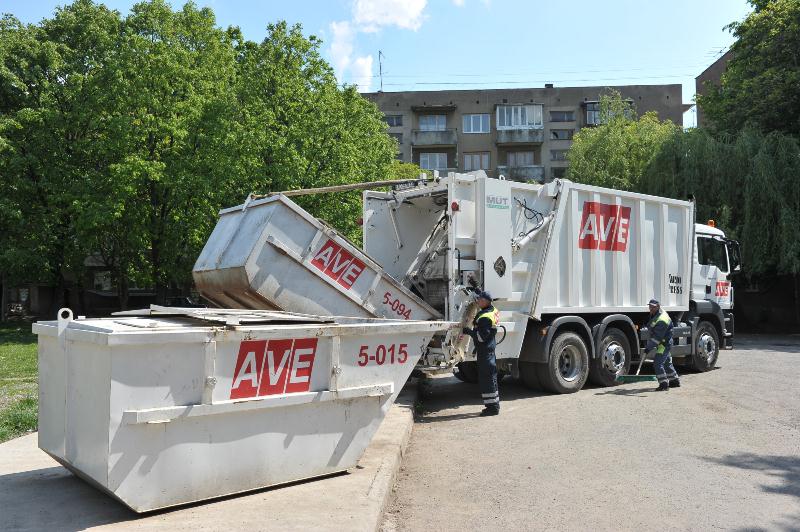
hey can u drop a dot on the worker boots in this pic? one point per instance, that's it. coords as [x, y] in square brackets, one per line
[490, 411]
[675, 383]
[663, 387]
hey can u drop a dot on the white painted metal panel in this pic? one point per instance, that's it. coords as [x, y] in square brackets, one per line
[494, 235]
[167, 410]
[611, 251]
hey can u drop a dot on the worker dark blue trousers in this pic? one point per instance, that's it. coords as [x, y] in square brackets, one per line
[487, 374]
[662, 363]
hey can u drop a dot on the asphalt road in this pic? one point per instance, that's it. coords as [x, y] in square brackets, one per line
[720, 453]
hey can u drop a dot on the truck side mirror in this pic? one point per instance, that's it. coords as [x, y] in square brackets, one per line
[734, 255]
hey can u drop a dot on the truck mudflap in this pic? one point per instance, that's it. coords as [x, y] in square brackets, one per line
[730, 326]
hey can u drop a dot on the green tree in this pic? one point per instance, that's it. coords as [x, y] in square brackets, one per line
[759, 86]
[615, 153]
[121, 138]
[298, 129]
[49, 136]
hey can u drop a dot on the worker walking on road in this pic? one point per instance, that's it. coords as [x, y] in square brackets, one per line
[660, 327]
[483, 335]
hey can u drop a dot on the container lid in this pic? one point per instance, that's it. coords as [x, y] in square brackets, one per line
[227, 316]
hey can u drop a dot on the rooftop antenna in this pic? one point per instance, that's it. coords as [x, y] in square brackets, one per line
[380, 67]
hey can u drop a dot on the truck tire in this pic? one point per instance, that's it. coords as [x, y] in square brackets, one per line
[706, 347]
[467, 371]
[529, 373]
[613, 358]
[568, 367]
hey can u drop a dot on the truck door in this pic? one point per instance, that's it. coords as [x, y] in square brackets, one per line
[710, 280]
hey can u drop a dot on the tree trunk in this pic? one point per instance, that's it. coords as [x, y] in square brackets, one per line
[3, 298]
[797, 299]
[123, 291]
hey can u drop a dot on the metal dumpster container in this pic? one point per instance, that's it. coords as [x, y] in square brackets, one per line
[271, 254]
[181, 405]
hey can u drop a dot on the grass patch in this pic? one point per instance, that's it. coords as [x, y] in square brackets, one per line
[18, 418]
[18, 380]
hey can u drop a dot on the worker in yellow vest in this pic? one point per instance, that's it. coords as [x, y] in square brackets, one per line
[483, 332]
[660, 327]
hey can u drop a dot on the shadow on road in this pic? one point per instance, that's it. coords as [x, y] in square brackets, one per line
[767, 342]
[785, 469]
[629, 392]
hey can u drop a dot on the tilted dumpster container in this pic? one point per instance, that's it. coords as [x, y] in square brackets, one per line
[182, 405]
[271, 254]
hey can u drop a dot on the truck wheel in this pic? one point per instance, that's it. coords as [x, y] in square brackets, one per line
[529, 373]
[707, 347]
[613, 358]
[467, 372]
[568, 368]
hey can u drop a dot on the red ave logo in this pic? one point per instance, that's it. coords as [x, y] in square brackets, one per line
[723, 289]
[273, 367]
[604, 227]
[338, 264]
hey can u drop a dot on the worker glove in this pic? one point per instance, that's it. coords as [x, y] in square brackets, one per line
[466, 330]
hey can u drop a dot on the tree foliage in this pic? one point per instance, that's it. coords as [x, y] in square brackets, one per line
[746, 182]
[122, 136]
[615, 153]
[759, 86]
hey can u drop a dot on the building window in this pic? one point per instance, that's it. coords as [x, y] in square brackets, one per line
[433, 161]
[519, 158]
[562, 116]
[393, 120]
[476, 161]
[476, 123]
[592, 113]
[432, 122]
[559, 173]
[561, 134]
[558, 155]
[397, 136]
[519, 116]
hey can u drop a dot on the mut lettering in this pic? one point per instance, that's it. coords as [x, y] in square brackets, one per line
[604, 227]
[273, 367]
[338, 264]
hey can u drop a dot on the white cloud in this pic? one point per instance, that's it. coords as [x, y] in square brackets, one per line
[372, 15]
[369, 16]
[459, 3]
[341, 46]
[362, 72]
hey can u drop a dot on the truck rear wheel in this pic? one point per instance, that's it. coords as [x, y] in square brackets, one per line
[568, 367]
[613, 358]
[706, 348]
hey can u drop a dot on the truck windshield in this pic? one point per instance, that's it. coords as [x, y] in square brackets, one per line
[711, 252]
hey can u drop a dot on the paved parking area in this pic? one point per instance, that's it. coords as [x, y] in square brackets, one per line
[720, 453]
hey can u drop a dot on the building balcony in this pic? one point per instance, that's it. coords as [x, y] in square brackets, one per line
[444, 137]
[522, 173]
[519, 136]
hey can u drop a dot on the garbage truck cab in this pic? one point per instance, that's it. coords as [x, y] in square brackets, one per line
[716, 260]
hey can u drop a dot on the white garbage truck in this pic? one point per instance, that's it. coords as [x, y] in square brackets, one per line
[571, 268]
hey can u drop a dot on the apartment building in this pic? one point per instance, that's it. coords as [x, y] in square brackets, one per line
[710, 76]
[523, 134]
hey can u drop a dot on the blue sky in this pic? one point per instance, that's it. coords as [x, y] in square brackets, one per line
[460, 44]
